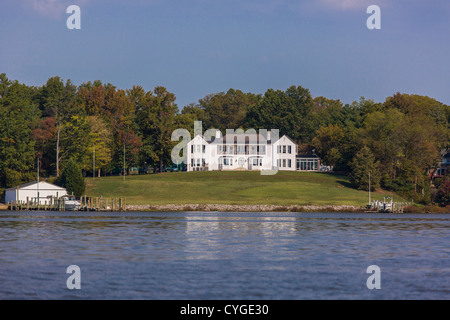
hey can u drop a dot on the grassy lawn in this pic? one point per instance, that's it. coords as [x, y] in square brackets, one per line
[233, 187]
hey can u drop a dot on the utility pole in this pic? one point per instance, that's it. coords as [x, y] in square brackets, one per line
[93, 164]
[38, 180]
[124, 161]
[369, 187]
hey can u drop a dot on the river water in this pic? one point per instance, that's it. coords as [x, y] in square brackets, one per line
[213, 255]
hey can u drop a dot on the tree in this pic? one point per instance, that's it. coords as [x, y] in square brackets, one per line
[325, 112]
[101, 143]
[58, 101]
[75, 140]
[384, 135]
[44, 138]
[188, 116]
[72, 179]
[156, 112]
[283, 110]
[120, 112]
[443, 191]
[362, 165]
[19, 114]
[328, 142]
[92, 97]
[226, 110]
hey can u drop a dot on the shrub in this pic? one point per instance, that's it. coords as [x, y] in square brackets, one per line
[72, 179]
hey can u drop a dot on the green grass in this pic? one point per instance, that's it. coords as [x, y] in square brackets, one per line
[233, 187]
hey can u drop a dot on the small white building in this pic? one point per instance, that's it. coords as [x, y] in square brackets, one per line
[32, 190]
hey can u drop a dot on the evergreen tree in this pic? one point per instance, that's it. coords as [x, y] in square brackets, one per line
[362, 164]
[72, 179]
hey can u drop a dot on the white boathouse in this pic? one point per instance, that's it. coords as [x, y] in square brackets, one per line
[30, 192]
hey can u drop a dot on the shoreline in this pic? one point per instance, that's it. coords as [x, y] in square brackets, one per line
[245, 208]
[273, 208]
[263, 208]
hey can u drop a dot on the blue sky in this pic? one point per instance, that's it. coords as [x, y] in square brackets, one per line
[198, 47]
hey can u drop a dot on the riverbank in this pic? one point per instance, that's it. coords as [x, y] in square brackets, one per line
[244, 208]
[264, 208]
[274, 208]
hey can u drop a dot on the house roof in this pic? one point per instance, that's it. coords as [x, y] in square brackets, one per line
[309, 156]
[289, 139]
[241, 138]
[43, 185]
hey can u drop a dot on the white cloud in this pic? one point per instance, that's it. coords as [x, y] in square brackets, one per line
[52, 8]
[348, 4]
[341, 5]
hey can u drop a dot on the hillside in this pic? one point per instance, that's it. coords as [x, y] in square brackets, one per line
[233, 187]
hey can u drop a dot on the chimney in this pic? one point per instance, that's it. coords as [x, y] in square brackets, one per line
[268, 135]
[217, 134]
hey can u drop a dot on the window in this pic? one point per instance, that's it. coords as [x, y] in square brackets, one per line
[289, 163]
[203, 162]
[198, 162]
[307, 164]
[192, 148]
[279, 149]
[289, 149]
[192, 162]
[284, 163]
[204, 148]
[284, 149]
[198, 148]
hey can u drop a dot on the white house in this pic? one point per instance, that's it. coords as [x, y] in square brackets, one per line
[241, 151]
[32, 190]
[286, 151]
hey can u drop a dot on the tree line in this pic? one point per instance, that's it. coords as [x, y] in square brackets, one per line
[399, 141]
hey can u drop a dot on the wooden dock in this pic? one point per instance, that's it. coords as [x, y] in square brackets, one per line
[58, 204]
[102, 204]
[386, 206]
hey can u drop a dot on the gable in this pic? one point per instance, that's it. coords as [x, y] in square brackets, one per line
[197, 140]
[285, 140]
[43, 185]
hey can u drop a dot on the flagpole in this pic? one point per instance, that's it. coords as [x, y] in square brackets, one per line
[38, 180]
